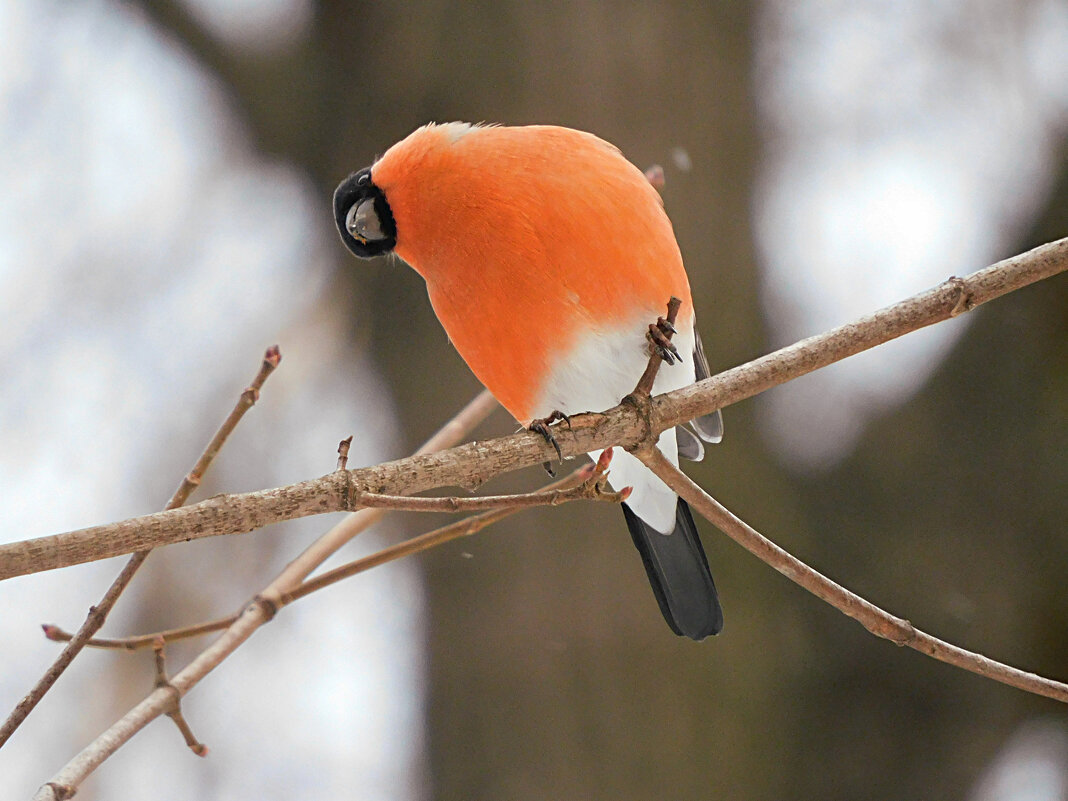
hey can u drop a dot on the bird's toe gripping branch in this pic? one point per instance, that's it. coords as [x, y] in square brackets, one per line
[542, 426]
[659, 335]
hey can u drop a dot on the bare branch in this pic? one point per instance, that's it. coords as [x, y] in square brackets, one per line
[175, 714]
[461, 528]
[945, 301]
[257, 612]
[470, 465]
[98, 614]
[56, 634]
[878, 622]
[549, 497]
[587, 475]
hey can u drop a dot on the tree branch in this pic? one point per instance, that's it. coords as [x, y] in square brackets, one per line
[440, 536]
[472, 464]
[630, 425]
[98, 614]
[544, 497]
[949, 299]
[260, 610]
[878, 622]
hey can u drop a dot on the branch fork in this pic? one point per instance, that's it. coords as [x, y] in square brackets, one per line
[175, 713]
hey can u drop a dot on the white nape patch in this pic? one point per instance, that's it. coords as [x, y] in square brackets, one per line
[455, 131]
[595, 375]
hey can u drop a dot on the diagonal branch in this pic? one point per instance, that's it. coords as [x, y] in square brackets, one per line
[878, 622]
[98, 614]
[472, 464]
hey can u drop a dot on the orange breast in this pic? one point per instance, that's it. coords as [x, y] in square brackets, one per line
[528, 238]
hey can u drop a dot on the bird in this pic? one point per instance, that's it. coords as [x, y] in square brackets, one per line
[546, 256]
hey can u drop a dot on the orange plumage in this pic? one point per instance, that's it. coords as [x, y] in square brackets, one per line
[501, 218]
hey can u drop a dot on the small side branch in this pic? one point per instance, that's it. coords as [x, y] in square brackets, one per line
[175, 714]
[56, 634]
[461, 528]
[645, 384]
[588, 490]
[877, 621]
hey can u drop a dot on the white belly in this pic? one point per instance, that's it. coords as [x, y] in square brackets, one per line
[595, 375]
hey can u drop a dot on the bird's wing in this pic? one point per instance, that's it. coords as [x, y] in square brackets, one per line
[709, 427]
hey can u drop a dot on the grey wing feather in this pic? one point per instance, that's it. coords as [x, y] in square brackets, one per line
[690, 447]
[709, 427]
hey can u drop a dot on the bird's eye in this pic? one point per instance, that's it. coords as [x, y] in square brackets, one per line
[363, 223]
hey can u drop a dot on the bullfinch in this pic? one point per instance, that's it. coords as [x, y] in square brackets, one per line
[546, 255]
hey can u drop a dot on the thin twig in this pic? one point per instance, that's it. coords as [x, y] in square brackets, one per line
[461, 424]
[471, 464]
[461, 528]
[645, 383]
[98, 614]
[343, 453]
[56, 634]
[878, 622]
[554, 497]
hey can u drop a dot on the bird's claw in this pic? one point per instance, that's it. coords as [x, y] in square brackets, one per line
[658, 335]
[541, 426]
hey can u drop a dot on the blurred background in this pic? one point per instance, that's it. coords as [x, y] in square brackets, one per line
[167, 170]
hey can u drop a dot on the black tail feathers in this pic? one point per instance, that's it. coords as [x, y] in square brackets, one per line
[678, 570]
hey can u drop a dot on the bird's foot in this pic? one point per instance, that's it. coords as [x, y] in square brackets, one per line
[542, 426]
[660, 336]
